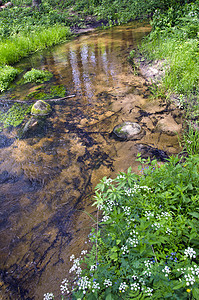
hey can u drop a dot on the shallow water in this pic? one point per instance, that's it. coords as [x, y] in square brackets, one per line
[47, 179]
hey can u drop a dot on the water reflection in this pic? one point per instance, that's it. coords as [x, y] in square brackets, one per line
[48, 178]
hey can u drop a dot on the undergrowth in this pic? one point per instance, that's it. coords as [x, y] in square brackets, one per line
[175, 38]
[146, 244]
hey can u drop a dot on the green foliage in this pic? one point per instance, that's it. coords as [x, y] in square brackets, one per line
[146, 244]
[15, 115]
[19, 46]
[174, 38]
[7, 75]
[190, 140]
[37, 76]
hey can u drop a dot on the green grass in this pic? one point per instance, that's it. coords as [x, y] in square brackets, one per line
[175, 39]
[19, 46]
[182, 56]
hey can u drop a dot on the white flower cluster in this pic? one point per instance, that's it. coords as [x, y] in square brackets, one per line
[93, 267]
[148, 265]
[189, 252]
[48, 296]
[164, 215]
[72, 257]
[168, 231]
[107, 282]
[192, 14]
[190, 279]
[84, 252]
[145, 188]
[130, 192]
[194, 270]
[76, 265]
[133, 241]
[148, 291]
[135, 286]
[149, 214]
[110, 204]
[156, 225]
[108, 181]
[127, 210]
[123, 286]
[121, 176]
[105, 218]
[124, 249]
[190, 274]
[95, 286]
[166, 271]
[84, 284]
[64, 286]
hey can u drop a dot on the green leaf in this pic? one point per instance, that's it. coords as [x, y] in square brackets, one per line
[109, 297]
[194, 214]
[91, 297]
[195, 292]
[178, 286]
[113, 256]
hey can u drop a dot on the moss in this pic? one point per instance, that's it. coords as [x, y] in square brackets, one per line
[119, 130]
[15, 115]
[44, 93]
[37, 95]
[58, 91]
[40, 108]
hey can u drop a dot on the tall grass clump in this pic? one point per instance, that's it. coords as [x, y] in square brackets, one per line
[19, 46]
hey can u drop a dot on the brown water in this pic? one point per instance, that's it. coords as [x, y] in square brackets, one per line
[47, 179]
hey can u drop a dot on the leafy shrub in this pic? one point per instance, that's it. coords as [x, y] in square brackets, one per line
[37, 76]
[146, 244]
[7, 75]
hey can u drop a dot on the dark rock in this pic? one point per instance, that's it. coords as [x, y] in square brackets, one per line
[152, 152]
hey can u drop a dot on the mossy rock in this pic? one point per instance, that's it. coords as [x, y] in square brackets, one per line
[40, 108]
[127, 130]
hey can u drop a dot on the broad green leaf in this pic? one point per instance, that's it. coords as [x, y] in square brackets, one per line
[109, 297]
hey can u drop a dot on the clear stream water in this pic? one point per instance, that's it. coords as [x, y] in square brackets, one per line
[47, 179]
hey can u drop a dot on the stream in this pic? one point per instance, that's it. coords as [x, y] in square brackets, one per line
[47, 179]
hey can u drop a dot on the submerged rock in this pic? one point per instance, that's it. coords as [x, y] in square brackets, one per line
[5, 141]
[127, 130]
[168, 126]
[152, 152]
[32, 126]
[40, 108]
